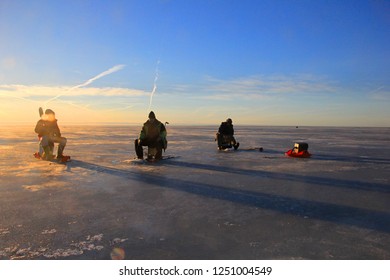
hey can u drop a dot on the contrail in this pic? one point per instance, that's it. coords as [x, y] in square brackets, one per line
[154, 86]
[376, 90]
[105, 73]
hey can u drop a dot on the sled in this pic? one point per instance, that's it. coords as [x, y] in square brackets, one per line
[149, 161]
[153, 160]
[300, 150]
[52, 158]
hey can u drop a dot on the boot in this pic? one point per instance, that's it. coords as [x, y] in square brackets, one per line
[60, 154]
[60, 151]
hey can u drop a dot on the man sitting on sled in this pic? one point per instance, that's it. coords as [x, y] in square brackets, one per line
[153, 135]
[224, 136]
[49, 133]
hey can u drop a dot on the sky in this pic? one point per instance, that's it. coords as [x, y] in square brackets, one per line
[259, 62]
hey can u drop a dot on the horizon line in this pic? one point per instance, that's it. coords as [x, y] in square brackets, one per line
[25, 123]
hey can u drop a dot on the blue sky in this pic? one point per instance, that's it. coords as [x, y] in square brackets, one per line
[197, 62]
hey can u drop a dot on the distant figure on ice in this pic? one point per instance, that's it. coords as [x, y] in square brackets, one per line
[154, 136]
[49, 133]
[225, 136]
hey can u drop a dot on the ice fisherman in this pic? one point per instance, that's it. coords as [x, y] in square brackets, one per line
[225, 136]
[154, 136]
[49, 133]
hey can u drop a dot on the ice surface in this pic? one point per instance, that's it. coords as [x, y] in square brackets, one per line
[202, 204]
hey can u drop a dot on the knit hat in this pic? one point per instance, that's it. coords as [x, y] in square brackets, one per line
[49, 112]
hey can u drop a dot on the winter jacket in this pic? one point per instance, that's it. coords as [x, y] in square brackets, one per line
[154, 132]
[226, 129]
[47, 128]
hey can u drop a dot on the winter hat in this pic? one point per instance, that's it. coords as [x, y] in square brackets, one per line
[152, 115]
[49, 112]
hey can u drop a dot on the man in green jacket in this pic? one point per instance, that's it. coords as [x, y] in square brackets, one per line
[153, 135]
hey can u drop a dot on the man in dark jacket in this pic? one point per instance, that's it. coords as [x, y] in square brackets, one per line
[153, 135]
[49, 133]
[225, 136]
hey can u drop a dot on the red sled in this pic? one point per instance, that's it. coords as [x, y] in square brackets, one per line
[301, 154]
[299, 151]
[63, 159]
